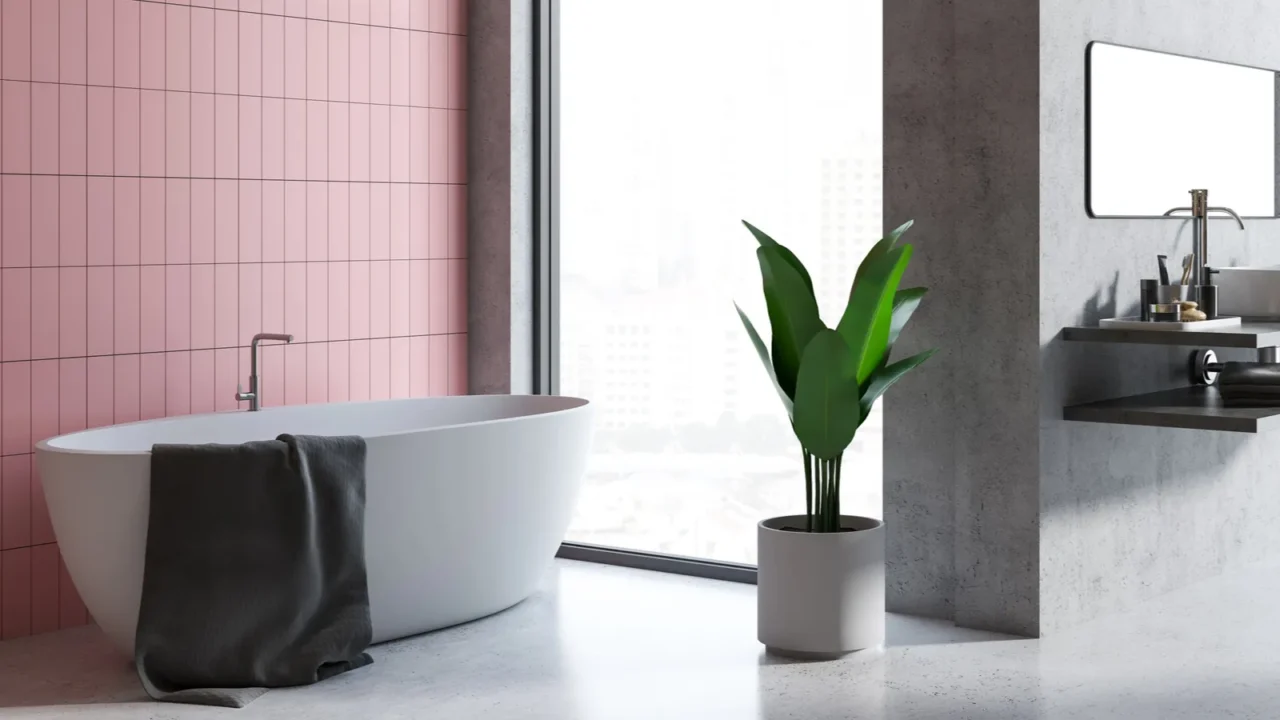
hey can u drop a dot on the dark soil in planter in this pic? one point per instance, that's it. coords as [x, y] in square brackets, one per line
[802, 530]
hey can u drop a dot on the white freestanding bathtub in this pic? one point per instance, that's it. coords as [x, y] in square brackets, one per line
[467, 500]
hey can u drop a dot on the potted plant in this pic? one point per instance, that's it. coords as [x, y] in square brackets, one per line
[821, 574]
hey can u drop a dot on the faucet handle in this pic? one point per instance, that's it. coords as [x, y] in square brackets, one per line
[241, 395]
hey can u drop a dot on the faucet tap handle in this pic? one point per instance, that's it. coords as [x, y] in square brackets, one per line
[241, 395]
[1230, 212]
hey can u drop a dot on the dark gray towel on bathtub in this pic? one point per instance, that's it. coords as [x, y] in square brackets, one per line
[255, 572]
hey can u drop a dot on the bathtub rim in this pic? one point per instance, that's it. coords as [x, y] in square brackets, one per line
[574, 404]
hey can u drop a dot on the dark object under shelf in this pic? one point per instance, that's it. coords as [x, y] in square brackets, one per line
[1194, 408]
[1249, 334]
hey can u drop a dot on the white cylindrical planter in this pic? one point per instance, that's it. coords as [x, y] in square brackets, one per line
[820, 594]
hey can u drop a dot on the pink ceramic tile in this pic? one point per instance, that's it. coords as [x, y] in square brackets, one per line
[226, 4]
[41, 525]
[101, 210]
[15, 486]
[154, 130]
[419, 15]
[457, 296]
[339, 142]
[317, 60]
[226, 221]
[272, 221]
[251, 6]
[226, 137]
[339, 301]
[379, 221]
[441, 294]
[399, 309]
[178, 296]
[71, 610]
[73, 41]
[203, 221]
[158, 31]
[400, 141]
[401, 62]
[226, 312]
[73, 394]
[379, 369]
[340, 10]
[437, 16]
[44, 129]
[273, 298]
[204, 381]
[226, 68]
[127, 44]
[127, 123]
[379, 65]
[317, 221]
[380, 12]
[16, 408]
[151, 221]
[128, 309]
[317, 9]
[318, 306]
[151, 399]
[295, 374]
[177, 221]
[203, 133]
[437, 67]
[456, 138]
[339, 372]
[295, 221]
[226, 377]
[44, 588]
[359, 11]
[203, 49]
[339, 70]
[101, 42]
[358, 299]
[44, 411]
[250, 302]
[419, 70]
[399, 367]
[380, 143]
[15, 246]
[359, 143]
[152, 311]
[15, 593]
[295, 140]
[72, 226]
[73, 309]
[15, 39]
[400, 13]
[422, 292]
[250, 138]
[15, 313]
[358, 370]
[100, 399]
[44, 312]
[166, 48]
[457, 82]
[273, 54]
[317, 373]
[167, 153]
[457, 364]
[295, 301]
[438, 221]
[272, 142]
[317, 140]
[419, 153]
[44, 221]
[250, 232]
[379, 299]
[459, 12]
[250, 80]
[177, 383]
[399, 223]
[339, 221]
[43, 40]
[203, 306]
[359, 221]
[101, 313]
[128, 221]
[295, 58]
[271, 378]
[438, 365]
[419, 367]
[437, 137]
[128, 388]
[358, 63]
[15, 102]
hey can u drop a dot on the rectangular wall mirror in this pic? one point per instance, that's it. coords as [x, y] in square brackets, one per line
[1160, 124]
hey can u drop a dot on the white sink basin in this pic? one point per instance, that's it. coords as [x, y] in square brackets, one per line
[1250, 292]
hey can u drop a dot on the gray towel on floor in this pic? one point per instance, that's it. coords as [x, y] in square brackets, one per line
[255, 572]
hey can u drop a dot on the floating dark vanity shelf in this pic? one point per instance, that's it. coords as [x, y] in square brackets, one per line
[1195, 408]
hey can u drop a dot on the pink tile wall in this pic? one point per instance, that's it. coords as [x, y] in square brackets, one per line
[177, 176]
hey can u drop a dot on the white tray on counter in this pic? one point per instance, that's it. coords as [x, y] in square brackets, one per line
[1134, 323]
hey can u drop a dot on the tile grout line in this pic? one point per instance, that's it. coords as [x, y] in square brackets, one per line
[323, 20]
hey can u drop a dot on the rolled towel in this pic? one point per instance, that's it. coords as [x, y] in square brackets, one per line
[1250, 384]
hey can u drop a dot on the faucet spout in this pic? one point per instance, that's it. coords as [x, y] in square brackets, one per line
[1200, 210]
[254, 396]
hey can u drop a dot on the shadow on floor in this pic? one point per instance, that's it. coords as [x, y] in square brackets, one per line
[69, 667]
[911, 631]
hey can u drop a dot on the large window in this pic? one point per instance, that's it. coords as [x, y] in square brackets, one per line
[676, 119]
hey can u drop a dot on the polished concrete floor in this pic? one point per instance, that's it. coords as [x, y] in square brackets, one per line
[600, 643]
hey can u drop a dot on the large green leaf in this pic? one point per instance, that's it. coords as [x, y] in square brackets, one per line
[827, 410]
[884, 378]
[905, 303]
[869, 313]
[887, 243]
[763, 352]
[793, 314]
[765, 241]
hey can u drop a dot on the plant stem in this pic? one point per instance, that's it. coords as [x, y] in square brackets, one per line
[808, 492]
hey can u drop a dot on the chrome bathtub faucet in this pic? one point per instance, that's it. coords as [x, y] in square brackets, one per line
[254, 396]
